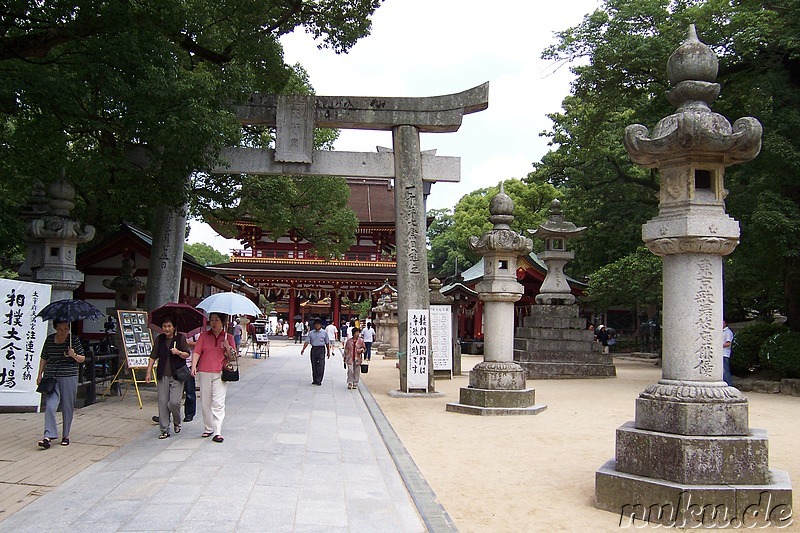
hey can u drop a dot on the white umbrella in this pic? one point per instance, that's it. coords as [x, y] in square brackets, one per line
[229, 303]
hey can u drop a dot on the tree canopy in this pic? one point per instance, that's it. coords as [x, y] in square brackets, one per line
[449, 232]
[205, 254]
[83, 82]
[619, 54]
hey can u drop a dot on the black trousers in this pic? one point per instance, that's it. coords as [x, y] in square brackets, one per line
[190, 406]
[317, 363]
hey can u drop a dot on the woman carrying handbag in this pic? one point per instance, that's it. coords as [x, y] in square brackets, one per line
[171, 351]
[213, 351]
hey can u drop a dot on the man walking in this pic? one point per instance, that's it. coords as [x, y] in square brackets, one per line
[320, 345]
[369, 337]
[333, 332]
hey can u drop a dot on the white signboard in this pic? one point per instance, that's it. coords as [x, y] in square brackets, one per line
[442, 337]
[22, 337]
[417, 357]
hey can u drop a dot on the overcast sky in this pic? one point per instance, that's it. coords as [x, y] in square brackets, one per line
[433, 47]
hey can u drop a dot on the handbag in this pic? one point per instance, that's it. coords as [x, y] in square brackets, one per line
[182, 373]
[229, 373]
[47, 386]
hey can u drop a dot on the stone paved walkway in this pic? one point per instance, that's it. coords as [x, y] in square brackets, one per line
[296, 457]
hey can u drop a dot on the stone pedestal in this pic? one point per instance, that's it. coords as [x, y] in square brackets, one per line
[553, 343]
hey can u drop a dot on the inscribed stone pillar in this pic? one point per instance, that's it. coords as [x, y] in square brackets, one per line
[412, 258]
[166, 256]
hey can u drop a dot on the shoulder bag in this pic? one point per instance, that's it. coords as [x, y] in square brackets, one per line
[181, 371]
[47, 386]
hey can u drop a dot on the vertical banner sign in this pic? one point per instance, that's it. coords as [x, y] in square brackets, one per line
[22, 337]
[417, 357]
[135, 337]
[442, 337]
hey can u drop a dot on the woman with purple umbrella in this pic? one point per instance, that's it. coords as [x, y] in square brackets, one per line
[61, 358]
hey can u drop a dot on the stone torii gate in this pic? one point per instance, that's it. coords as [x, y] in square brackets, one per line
[296, 116]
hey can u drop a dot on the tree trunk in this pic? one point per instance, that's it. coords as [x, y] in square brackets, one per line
[166, 256]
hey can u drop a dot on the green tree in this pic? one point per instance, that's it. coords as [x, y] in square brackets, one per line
[205, 254]
[633, 280]
[81, 83]
[450, 233]
[620, 52]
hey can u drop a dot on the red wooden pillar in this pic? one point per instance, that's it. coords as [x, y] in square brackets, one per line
[477, 324]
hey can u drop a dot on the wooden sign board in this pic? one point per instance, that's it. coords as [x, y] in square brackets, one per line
[137, 340]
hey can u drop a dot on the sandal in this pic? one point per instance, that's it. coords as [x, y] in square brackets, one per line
[65, 441]
[177, 428]
[164, 435]
[218, 438]
[44, 443]
[206, 434]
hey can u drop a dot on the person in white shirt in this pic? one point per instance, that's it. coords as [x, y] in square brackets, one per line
[333, 333]
[727, 341]
[369, 337]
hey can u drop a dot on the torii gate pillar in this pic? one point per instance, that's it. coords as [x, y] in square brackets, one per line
[410, 230]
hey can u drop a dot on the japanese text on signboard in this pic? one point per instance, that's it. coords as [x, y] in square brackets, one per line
[22, 336]
[417, 359]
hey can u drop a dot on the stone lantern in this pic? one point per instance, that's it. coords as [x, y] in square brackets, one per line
[690, 440]
[552, 341]
[556, 232]
[497, 385]
[52, 237]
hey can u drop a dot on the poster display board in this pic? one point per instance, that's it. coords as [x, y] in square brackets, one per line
[442, 337]
[23, 335]
[417, 358]
[136, 338]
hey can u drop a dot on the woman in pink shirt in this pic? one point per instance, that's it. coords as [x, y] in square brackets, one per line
[213, 350]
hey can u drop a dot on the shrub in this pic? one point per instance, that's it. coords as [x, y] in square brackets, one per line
[747, 344]
[781, 353]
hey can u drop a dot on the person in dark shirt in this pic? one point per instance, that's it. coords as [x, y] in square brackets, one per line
[62, 356]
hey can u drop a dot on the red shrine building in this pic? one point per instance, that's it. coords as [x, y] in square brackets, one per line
[298, 282]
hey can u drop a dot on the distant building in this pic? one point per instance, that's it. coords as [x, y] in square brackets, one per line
[531, 272]
[103, 261]
[300, 283]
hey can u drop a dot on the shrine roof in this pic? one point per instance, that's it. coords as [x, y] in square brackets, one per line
[110, 246]
[474, 274]
[300, 269]
[372, 200]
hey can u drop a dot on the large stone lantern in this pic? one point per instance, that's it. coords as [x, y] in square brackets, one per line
[497, 385]
[690, 441]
